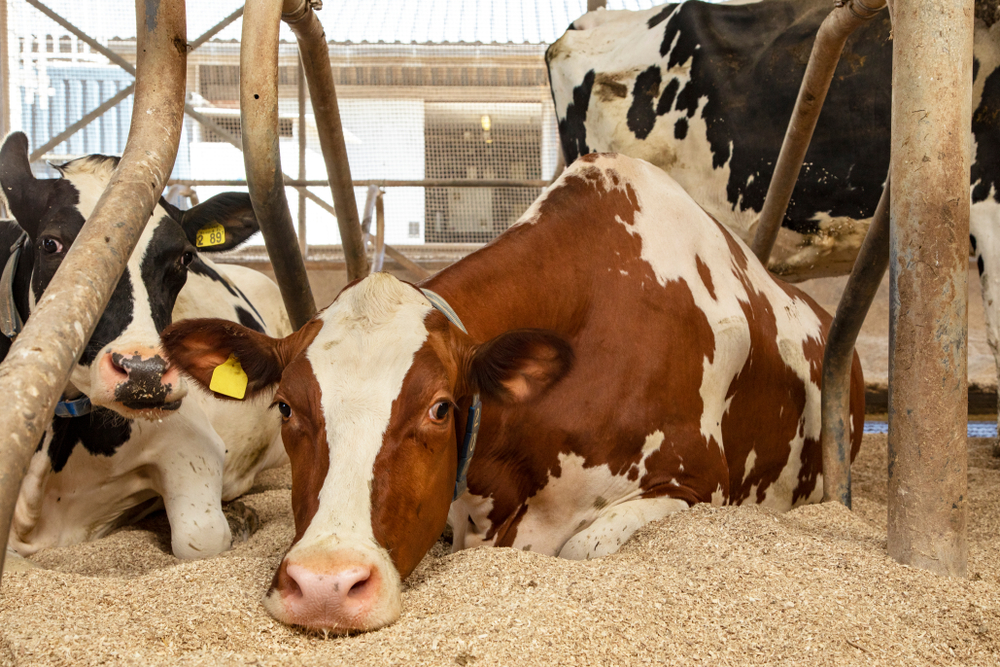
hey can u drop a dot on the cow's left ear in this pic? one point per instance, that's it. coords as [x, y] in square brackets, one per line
[220, 223]
[520, 365]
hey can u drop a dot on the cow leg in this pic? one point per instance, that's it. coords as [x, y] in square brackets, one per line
[616, 524]
[984, 232]
[189, 465]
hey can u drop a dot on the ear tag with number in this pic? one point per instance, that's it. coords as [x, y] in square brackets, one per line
[229, 379]
[210, 235]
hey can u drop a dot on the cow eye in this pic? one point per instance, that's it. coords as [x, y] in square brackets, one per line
[439, 411]
[51, 246]
[187, 258]
[285, 409]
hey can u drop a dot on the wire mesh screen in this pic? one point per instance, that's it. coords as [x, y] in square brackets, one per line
[428, 92]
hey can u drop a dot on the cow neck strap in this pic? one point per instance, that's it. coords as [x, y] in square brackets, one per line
[468, 447]
[10, 320]
[11, 324]
[75, 408]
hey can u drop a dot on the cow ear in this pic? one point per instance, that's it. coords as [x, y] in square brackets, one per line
[16, 179]
[232, 211]
[199, 346]
[520, 365]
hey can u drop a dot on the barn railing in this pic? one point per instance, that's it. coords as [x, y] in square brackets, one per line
[38, 366]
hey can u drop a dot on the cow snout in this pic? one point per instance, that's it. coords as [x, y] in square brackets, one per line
[342, 595]
[142, 380]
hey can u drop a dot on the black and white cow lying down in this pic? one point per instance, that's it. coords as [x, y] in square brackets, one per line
[705, 92]
[147, 434]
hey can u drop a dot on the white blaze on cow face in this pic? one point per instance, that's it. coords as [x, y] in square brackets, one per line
[343, 578]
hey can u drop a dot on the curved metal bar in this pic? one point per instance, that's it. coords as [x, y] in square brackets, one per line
[830, 40]
[259, 121]
[859, 293]
[315, 57]
[40, 361]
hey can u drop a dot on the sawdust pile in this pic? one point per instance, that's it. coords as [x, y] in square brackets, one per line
[719, 586]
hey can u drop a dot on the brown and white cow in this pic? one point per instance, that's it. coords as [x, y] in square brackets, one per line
[632, 356]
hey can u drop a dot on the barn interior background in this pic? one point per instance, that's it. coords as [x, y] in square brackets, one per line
[448, 89]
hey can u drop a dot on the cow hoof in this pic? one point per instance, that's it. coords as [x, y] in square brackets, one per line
[243, 520]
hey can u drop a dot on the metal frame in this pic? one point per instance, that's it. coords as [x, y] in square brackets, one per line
[40, 361]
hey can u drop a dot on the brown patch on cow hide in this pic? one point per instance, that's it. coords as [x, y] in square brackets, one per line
[639, 349]
[407, 518]
[706, 277]
[608, 87]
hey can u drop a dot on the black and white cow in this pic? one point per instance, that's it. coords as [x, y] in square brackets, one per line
[141, 433]
[705, 92]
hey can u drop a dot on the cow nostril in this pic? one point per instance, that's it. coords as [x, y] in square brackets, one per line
[360, 588]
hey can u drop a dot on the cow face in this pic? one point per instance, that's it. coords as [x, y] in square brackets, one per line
[373, 395]
[121, 367]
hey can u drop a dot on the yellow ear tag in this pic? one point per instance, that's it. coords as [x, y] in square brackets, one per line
[210, 235]
[229, 379]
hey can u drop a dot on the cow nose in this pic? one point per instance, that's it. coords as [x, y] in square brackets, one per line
[142, 379]
[339, 598]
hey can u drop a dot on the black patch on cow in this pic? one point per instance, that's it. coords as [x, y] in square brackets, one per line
[641, 116]
[116, 318]
[746, 65]
[163, 274]
[666, 102]
[102, 433]
[248, 320]
[661, 16]
[975, 68]
[979, 265]
[572, 129]
[972, 242]
[681, 128]
[986, 130]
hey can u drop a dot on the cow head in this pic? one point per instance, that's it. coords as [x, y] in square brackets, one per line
[372, 395]
[121, 367]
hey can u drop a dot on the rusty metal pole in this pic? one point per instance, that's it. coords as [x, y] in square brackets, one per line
[39, 363]
[259, 122]
[928, 269]
[315, 55]
[829, 44]
[862, 285]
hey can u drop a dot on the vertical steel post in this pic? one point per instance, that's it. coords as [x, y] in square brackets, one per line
[40, 361]
[869, 269]
[315, 56]
[928, 265]
[823, 59]
[259, 121]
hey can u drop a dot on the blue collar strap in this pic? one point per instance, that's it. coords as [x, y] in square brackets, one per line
[75, 408]
[468, 447]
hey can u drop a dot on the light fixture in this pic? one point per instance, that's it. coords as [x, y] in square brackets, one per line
[486, 122]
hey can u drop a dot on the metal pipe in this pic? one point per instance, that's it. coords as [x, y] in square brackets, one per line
[315, 57]
[301, 84]
[259, 121]
[928, 276]
[378, 257]
[40, 361]
[829, 44]
[859, 293]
